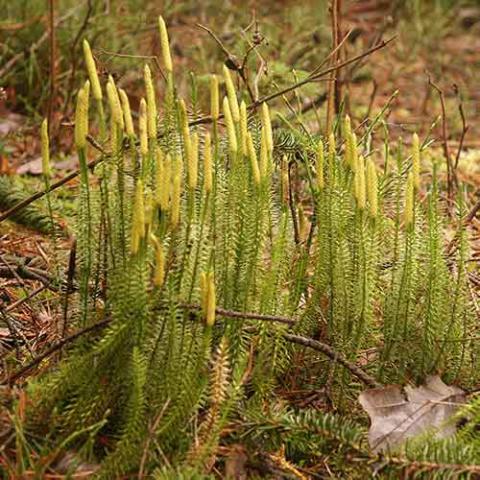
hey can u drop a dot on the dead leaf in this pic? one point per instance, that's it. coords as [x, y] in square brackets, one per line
[33, 167]
[69, 163]
[398, 414]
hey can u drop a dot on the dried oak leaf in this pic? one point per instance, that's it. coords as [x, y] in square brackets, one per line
[398, 414]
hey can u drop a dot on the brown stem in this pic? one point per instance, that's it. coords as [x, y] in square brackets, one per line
[451, 174]
[338, 40]
[10, 380]
[332, 81]
[232, 61]
[333, 355]
[473, 212]
[151, 435]
[53, 60]
[74, 56]
[21, 301]
[23, 272]
[299, 340]
[465, 127]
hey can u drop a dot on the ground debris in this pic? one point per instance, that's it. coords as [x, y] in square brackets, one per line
[399, 413]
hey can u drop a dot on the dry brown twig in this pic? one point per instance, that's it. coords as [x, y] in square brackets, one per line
[252, 47]
[53, 59]
[151, 434]
[155, 59]
[465, 127]
[74, 57]
[10, 380]
[22, 300]
[21, 272]
[451, 173]
[231, 60]
[297, 339]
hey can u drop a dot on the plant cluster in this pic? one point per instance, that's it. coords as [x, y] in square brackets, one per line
[184, 225]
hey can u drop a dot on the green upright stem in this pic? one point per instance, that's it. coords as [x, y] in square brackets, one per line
[199, 245]
[85, 276]
[48, 200]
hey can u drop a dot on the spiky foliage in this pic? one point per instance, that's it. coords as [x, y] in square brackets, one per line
[209, 430]
[305, 435]
[187, 217]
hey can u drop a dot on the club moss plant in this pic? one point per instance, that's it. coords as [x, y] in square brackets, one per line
[181, 219]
